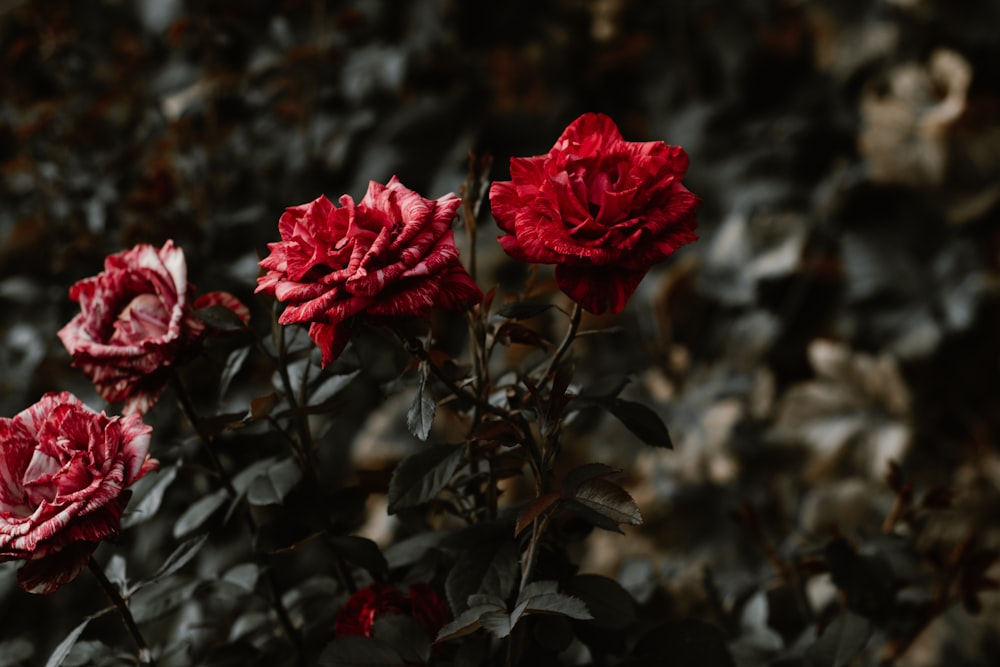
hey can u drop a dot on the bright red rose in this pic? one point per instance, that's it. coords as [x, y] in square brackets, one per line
[393, 255]
[601, 209]
[64, 470]
[424, 604]
[136, 320]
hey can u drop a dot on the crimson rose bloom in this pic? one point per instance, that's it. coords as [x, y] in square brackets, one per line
[602, 209]
[424, 604]
[136, 320]
[391, 256]
[64, 470]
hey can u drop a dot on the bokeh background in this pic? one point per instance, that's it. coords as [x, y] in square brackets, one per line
[839, 311]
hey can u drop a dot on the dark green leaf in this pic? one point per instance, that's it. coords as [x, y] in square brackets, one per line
[513, 332]
[608, 500]
[181, 556]
[590, 516]
[242, 479]
[332, 386]
[115, 571]
[502, 572]
[248, 624]
[243, 575]
[420, 416]
[557, 603]
[221, 318]
[360, 551]
[421, 476]
[234, 362]
[359, 652]
[610, 604]
[604, 388]
[643, 421]
[408, 551]
[195, 516]
[13, 652]
[491, 569]
[154, 601]
[841, 641]
[149, 493]
[541, 587]
[66, 645]
[405, 635]
[581, 474]
[272, 487]
[486, 600]
[522, 310]
[465, 623]
[94, 652]
[498, 623]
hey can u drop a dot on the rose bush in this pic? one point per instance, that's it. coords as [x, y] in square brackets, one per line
[137, 320]
[423, 603]
[392, 255]
[601, 209]
[64, 473]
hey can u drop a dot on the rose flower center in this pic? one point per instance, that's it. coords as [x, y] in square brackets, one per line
[144, 318]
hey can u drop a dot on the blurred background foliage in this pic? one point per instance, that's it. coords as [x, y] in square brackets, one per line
[839, 312]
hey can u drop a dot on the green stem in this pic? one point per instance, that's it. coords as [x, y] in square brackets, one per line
[301, 419]
[188, 409]
[283, 617]
[279, 607]
[531, 558]
[145, 656]
[416, 348]
[574, 326]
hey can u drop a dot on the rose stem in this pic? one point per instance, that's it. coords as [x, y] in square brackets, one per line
[416, 348]
[145, 656]
[537, 530]
[469, 213]
[301, 418]
[188, 409]
[574, 325]
[206, 439]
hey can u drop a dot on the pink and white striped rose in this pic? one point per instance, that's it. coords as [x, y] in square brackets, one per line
[137, 320]
[390, 256]
[64, 473]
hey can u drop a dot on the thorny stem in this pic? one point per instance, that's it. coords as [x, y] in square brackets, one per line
[275, 593]
[574, 325]
[145, 656]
